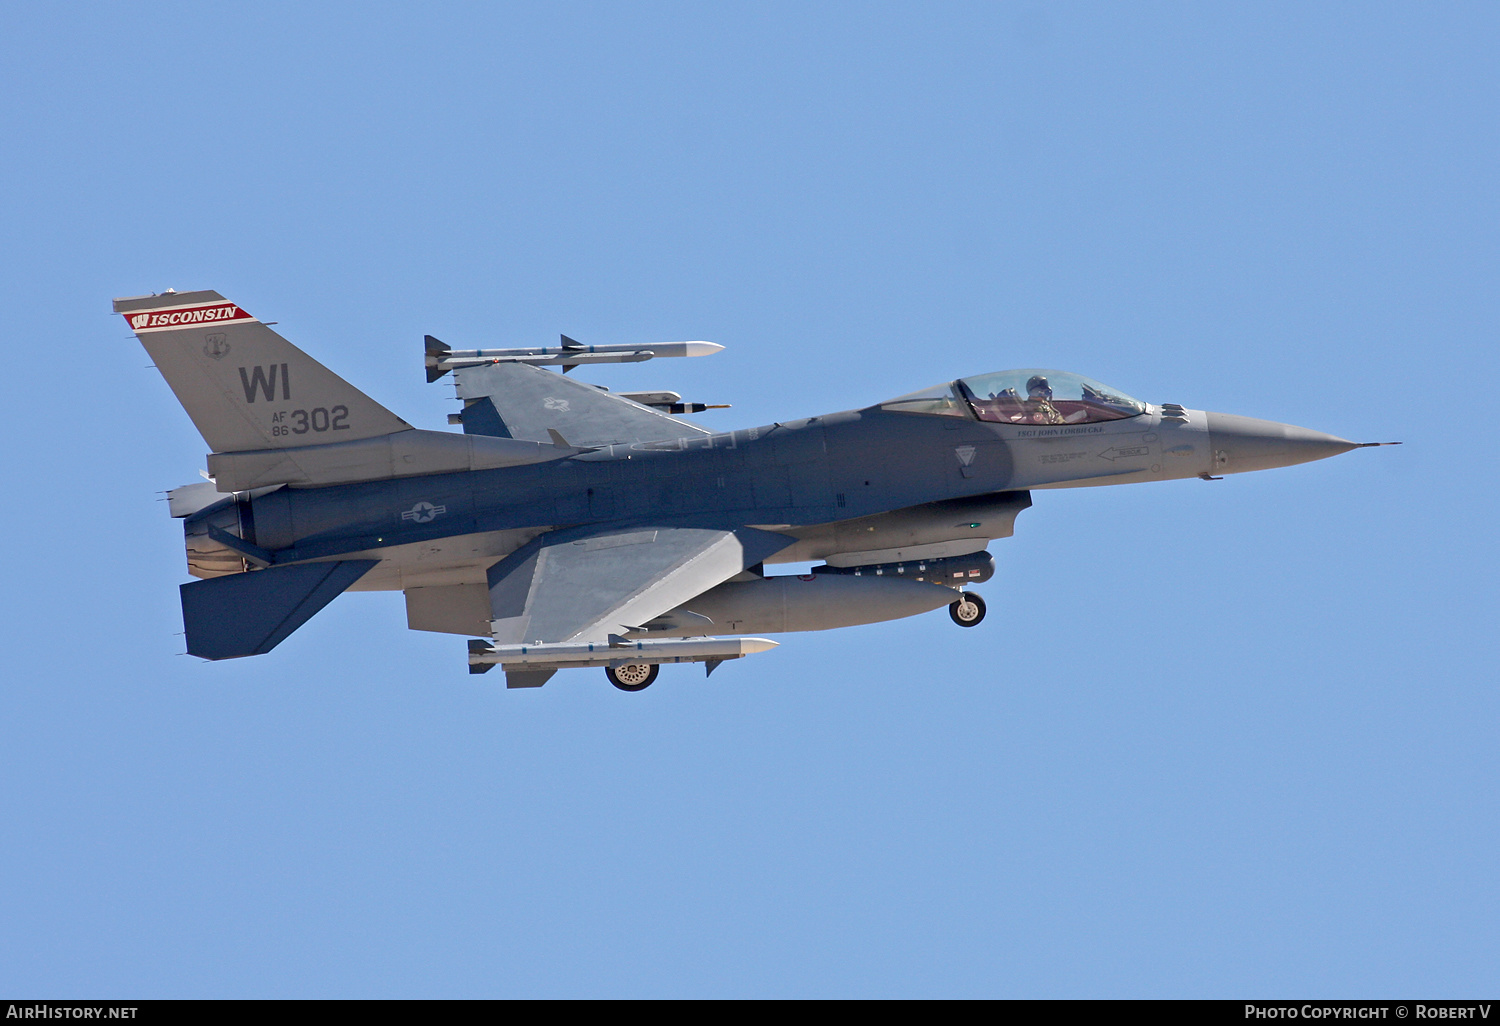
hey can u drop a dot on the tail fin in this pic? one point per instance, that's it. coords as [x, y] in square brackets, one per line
[244, 386]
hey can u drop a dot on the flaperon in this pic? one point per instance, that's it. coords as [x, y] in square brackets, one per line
[569, 526]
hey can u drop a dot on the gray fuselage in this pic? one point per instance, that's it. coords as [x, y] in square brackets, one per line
[860, 480]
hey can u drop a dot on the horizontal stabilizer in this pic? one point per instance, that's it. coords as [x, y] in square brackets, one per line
[251, 613]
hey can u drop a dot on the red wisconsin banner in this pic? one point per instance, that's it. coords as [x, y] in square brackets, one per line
[213, 313]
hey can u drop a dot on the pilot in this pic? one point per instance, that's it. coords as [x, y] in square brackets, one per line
[1039, 402]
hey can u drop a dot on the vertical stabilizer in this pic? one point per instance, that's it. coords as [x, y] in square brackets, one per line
[244, 386]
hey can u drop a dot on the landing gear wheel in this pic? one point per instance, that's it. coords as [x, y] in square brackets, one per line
[968, 610]
[633, 676]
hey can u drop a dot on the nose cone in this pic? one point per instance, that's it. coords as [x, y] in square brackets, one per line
[1244, 443]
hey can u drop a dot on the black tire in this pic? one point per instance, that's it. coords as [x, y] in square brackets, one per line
[632, 676]
[967, 610]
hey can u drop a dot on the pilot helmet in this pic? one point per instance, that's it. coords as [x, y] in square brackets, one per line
[1037, 387]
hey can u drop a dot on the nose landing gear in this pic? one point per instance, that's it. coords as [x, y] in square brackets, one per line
[632, 676]
[967, 610]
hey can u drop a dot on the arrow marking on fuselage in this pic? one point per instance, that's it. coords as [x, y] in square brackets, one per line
[1115, 452]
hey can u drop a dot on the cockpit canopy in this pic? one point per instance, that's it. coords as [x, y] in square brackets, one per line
[1023, 397]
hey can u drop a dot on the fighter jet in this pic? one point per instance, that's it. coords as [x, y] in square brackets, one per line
[569, 526]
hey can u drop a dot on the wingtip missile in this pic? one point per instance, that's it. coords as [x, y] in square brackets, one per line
[440, 358]
[670, 402]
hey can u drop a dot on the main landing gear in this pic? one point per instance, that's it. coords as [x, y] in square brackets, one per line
[634, 676]
[967, 610]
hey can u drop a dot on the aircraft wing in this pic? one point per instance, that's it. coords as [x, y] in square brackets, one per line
[585, 584]
[530, 403]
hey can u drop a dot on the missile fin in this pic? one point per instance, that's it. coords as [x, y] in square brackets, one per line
[435, 352]
[527, 678]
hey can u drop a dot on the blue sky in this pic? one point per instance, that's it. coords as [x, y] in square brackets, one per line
[1213, 740]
